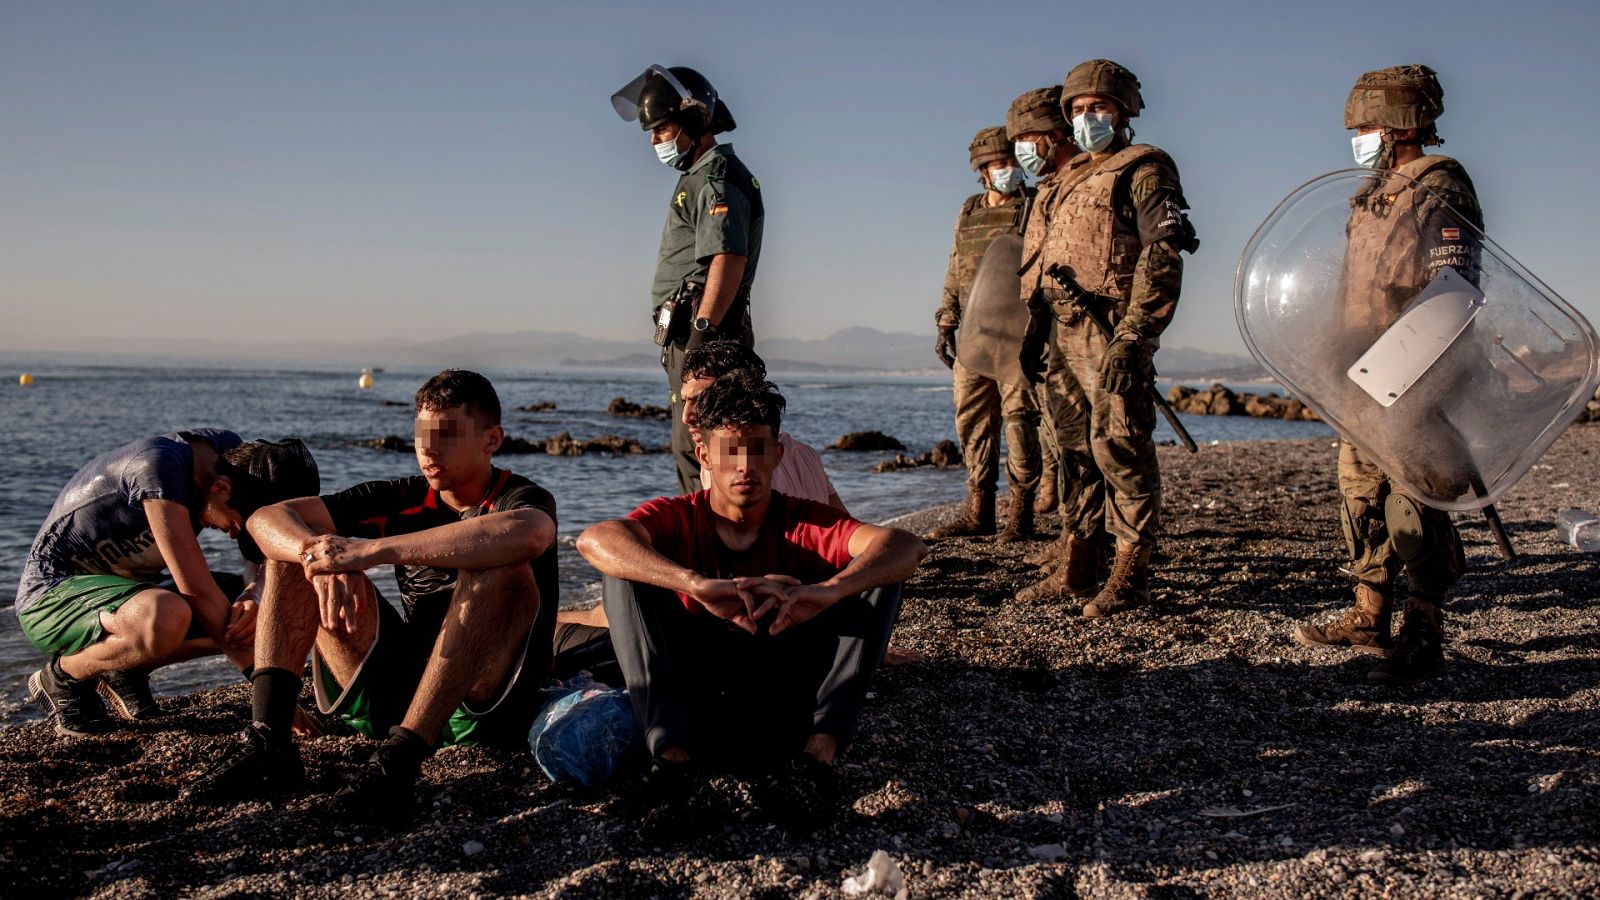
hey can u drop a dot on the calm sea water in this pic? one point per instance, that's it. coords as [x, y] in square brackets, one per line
[72, 413]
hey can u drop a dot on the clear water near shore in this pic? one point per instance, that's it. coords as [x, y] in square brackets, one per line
[73, 412]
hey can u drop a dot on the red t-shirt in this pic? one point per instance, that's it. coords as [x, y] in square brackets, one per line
[807, 540]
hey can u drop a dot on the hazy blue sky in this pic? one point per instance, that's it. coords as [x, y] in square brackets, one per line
[393, 170]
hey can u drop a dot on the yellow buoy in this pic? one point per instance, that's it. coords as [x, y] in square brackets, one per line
[25, 379]
[365, 381]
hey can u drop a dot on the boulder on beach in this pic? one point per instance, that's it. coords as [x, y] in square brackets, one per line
[864, 441]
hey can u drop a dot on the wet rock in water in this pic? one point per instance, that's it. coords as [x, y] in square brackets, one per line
[564, 444]
[541, 406]
[866, 441]
[393, 443]
[393, 403]
[620, 406]
[515, 445]
[1219, 400]
[944, 455]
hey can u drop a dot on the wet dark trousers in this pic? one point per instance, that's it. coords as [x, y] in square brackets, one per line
[730, 697]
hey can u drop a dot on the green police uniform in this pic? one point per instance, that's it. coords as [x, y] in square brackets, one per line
[715, 208]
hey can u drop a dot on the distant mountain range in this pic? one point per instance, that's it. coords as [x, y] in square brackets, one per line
[858, 350]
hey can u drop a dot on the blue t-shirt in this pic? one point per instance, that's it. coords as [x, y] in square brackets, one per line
[98, 526]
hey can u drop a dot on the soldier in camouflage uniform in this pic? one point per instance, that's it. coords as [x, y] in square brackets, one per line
[1114, 220]
[1034, 124]
[982, 403]
[1399, 240]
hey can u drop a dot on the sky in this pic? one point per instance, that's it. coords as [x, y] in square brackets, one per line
[400, 171]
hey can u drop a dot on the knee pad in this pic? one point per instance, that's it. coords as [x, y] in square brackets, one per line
[1407, 526]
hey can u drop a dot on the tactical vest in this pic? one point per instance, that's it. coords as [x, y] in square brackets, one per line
[1384, 264]
[976, 228]
[1038, 228]
[1085, 233]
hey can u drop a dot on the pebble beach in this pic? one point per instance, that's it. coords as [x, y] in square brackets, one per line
[1187, 749]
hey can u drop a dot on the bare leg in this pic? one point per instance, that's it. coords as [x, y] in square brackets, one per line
[139, 634]
[484, 632]
[594, 618]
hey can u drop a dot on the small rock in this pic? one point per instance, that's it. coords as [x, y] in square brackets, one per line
[1047, 852]
[1397, 830]
[471, 848]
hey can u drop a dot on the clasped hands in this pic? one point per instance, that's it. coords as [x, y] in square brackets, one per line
[335, 566]
[750, 601]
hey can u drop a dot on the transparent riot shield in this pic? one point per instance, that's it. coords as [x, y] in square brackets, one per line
[994, 316]
[1413, 334]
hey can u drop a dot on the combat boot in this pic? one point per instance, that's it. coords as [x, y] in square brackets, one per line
[1019, 520]
[1073, 576]
[1128, 585]
[1050, 554]
[976, 520]
[1419, 653]
[1046, 501]
[1364, 628]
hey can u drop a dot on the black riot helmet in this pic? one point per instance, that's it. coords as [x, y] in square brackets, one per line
[677, 94]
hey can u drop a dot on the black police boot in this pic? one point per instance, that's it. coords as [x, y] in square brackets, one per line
[257, 765]
[73, 707]
[128, 692]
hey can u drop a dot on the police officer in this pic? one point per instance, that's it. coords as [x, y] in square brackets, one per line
[983, 402]
[1400, 237]
[1115, 226]
[712, 239]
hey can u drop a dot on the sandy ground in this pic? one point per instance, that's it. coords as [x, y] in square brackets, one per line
[1190, 749]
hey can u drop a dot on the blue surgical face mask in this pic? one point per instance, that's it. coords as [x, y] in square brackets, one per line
[1367, 148]
[1093, 131]
[669, 154]
[1028, 157]
[1007, 180]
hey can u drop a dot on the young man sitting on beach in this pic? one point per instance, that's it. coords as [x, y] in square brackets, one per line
[473, 551]
[90, 594]
[748, 624]
[800, 472]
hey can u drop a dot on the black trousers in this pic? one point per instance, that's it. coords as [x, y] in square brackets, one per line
[729, 697]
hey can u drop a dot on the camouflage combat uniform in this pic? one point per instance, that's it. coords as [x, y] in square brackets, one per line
[982, 403]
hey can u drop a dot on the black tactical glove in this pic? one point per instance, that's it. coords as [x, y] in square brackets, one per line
[944, 346]
[1034, 351]
[1122, 368]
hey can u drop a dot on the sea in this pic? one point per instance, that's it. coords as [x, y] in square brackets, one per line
[72, 412]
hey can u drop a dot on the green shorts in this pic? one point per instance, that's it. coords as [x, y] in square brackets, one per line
[66, 618]
[380, 693]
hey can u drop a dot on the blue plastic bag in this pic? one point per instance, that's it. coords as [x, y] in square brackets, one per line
[586, 734]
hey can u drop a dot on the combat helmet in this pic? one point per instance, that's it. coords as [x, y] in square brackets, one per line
[1037, 110]
[989, 145]
[1396, 97]
[676, 94]
[1104, 77]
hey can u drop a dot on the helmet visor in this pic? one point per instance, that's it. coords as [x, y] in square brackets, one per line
[636, 97]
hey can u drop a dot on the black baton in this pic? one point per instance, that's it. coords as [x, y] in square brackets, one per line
[1079, 297]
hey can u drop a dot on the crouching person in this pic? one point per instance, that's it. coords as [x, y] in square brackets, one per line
[473, 551]
[748, 624]
[92, 594]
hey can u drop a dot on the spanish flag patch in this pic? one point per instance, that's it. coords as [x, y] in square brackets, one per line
[719, 209]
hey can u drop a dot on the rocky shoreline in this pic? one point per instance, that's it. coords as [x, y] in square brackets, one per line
[1188, 749]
